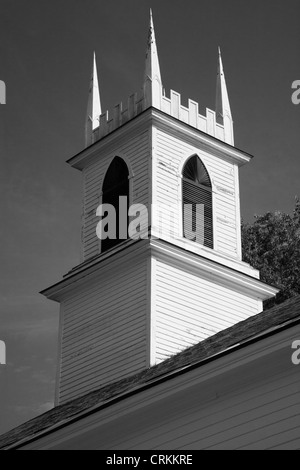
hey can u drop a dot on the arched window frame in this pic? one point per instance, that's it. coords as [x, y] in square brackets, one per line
[192, 243]
[130, 177]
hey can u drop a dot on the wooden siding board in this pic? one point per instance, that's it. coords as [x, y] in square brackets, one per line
[104, 335]
[107, 368]
[202, 304]
[105, 373]
[199, 308]
[196, 317]
[110, 321]
[172, 321]
[112, 334]
[85, 315]
[98, 293]
[261, 415]
[198, 289]
[115, 308]
[91, 304]
[201, 298]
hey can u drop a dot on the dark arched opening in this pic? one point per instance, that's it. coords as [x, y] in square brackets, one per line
[116, 184]
[197, 202]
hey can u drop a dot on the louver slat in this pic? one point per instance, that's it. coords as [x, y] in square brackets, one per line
[197, 194]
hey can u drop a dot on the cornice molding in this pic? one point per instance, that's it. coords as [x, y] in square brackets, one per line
[212, 270]
[133, 250]
[195, 137]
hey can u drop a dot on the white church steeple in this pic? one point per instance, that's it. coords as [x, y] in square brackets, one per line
[94, 106]
[138, 300]
[223, 111]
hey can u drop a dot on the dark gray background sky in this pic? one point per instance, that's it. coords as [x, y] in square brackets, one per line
[45, 59]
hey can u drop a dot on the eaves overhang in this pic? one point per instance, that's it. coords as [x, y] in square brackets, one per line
[129, 250]
[183, 259]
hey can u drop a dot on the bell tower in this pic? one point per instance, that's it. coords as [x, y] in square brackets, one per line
[145, 294]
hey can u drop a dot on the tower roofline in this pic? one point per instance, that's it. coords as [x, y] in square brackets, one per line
[87, 155]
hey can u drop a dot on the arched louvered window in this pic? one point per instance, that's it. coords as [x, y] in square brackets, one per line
[197, 202]
[115, 184]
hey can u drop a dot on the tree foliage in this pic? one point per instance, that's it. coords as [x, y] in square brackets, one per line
[272, 245]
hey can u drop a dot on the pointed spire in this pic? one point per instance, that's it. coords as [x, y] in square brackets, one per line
[223, 111]
[152, 77]
[94, 105]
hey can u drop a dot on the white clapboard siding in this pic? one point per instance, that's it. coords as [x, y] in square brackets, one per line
[188, 309]
[263, 415]
[137, 151]
[104, 330]
[169, 154]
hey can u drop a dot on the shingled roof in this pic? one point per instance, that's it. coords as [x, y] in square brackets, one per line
[237, 336]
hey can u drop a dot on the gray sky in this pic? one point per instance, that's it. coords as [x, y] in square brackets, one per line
[45, 60]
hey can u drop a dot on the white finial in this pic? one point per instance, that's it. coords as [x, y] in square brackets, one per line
[94, 105]
[223, 111]
[152, 77]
